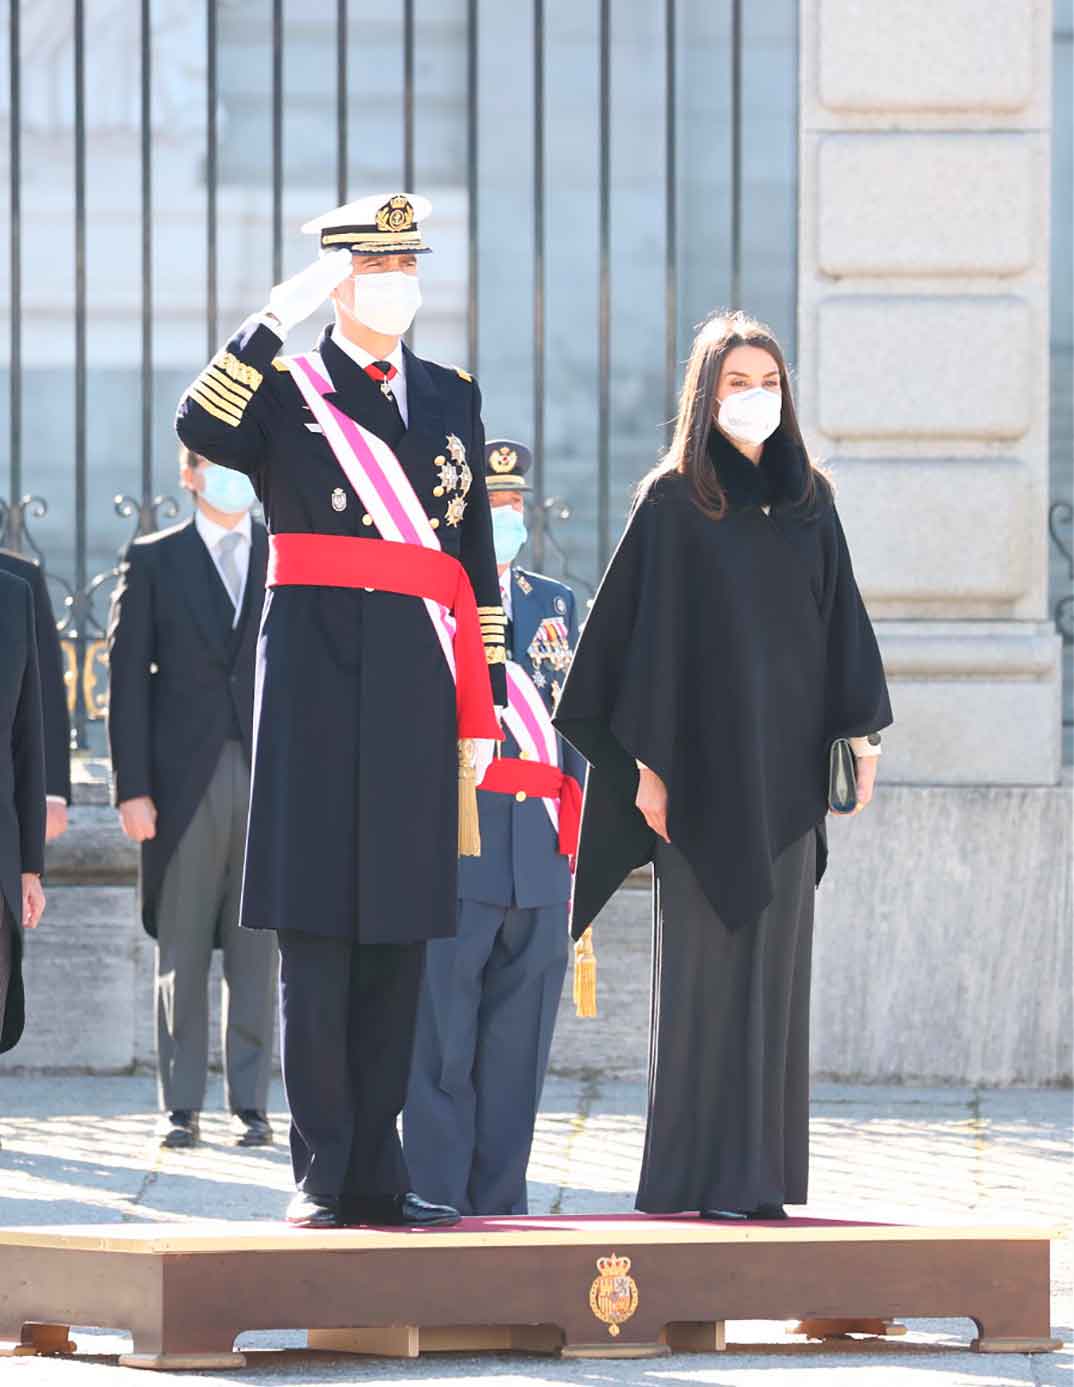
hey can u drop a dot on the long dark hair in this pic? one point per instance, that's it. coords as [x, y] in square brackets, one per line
[688, 453]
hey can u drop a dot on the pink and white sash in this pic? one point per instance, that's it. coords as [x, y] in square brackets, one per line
[377, 477]
[527, 720]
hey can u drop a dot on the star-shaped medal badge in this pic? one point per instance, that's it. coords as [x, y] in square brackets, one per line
[455, 510]
[466, 479]
[455, 448]
[539, 678]
[449, 476]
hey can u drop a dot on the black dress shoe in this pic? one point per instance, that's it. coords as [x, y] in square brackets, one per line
[398, 1211]
[764, 1212]
[182, 1130]
[251, 1128]
[723, 1215]
[314, 1211]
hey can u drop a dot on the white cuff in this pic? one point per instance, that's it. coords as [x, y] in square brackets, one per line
[55, 799]
[862, 746]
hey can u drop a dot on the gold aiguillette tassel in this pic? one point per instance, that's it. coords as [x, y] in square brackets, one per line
[469, 825]
[585, 976]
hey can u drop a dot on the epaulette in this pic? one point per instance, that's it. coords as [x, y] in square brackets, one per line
[464, 374]
[281, 364]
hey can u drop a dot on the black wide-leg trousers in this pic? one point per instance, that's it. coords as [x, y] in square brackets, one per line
[347, 1018]
[728, 1124]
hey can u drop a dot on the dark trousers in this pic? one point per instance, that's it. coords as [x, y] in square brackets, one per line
[7, 950]
[728, 1123]
[199, 907]
[347, 1015]
[484, 1034]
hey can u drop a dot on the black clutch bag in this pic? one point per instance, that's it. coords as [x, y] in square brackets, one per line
[842, 778]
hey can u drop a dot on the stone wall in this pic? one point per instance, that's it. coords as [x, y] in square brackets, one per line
[923, 331]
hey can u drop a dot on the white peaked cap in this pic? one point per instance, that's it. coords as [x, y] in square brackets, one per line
[382, 224]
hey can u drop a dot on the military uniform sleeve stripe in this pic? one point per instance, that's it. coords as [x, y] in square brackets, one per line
[238, 370]
[229, 417]
[223, 386]
[221, 401]
[495, 654]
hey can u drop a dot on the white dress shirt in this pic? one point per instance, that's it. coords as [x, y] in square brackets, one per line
[212, 534]
[397, 384]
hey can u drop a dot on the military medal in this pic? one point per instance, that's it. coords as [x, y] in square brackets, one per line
[339, 499]
[455, 510]
[455, 448]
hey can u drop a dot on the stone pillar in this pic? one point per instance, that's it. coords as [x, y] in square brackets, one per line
[923, 282]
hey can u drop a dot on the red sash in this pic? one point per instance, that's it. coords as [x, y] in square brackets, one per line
[507, 776]
[344, 561]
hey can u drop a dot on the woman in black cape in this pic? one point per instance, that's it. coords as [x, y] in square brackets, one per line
[727, 648]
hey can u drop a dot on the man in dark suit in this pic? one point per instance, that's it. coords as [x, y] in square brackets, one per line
[368, 460]
[182, 639]
[490, 996]
[53, 693]
[22, 797]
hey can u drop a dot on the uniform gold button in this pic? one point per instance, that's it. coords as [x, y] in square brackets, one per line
[439, 460]
[520, 795]
[367, 520]
[523, 755]
[435, 523]
[438, 491]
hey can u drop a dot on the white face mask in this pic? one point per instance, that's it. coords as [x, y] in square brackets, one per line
[386, 302]
[751, 416]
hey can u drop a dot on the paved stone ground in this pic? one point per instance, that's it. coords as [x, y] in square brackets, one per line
[81, 1150]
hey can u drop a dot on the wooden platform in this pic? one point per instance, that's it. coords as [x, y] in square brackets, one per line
[587, 1286]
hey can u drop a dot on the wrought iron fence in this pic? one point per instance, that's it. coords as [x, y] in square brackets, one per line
[82, 623]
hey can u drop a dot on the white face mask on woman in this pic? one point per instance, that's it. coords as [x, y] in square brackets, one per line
[751, 416]
[387, 302]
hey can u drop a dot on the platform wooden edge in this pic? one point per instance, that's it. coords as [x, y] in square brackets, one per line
[244, 1238]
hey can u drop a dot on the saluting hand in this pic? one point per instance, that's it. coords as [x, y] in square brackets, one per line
[296, 298]
[138, 818]
[652, 801]
[33, 900]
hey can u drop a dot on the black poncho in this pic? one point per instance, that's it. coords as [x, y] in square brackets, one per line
[725, 655]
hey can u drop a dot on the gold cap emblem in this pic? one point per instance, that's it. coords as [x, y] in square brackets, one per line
[397, 214]
[503, 459]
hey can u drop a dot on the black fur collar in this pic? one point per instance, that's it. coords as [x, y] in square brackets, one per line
[778, 479]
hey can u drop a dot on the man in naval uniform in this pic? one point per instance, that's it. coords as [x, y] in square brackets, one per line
[490, 995]
[375, 691]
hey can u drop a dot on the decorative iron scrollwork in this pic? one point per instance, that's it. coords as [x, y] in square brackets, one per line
[83, 634]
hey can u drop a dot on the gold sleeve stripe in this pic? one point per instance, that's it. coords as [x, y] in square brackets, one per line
[221, 401]
[496, 655]
[194, 394]
[228, 389]
[242, 390]
[491, 611]
[238, 370]
[492, 621]
[280, 364]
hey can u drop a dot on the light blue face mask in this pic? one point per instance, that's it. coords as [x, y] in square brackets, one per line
[226, 490]
[508, 532]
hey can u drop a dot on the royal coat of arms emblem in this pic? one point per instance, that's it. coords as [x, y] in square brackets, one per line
[613, 1296]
